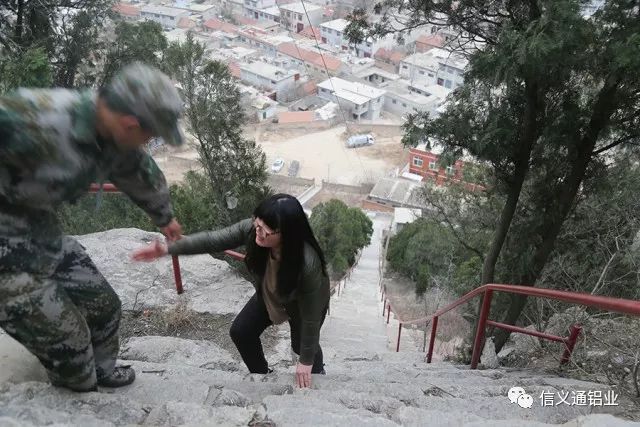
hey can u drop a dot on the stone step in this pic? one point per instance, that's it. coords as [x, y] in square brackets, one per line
[304, 408]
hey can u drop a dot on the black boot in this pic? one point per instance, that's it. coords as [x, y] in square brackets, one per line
[121, 376]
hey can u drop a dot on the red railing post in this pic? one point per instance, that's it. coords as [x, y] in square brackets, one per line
[176, 274]
[388, 313]
[570, 343]
[434, 326]
[399, 332]
[482, 323]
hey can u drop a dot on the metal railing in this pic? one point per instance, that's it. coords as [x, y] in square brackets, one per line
[617, 305]
[177, 274]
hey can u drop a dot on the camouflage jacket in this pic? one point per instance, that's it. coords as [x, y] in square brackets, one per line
[50, 152]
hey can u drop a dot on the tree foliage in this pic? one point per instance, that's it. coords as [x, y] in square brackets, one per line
[546, 94]
[235, 166]
[66, 33]
[143, 41]
[341, 232]
[113, 211]
[30, 68]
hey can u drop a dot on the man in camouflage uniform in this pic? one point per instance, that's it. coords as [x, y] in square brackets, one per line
[53, 145]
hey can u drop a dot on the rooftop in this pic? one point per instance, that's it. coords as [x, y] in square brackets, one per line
[299, 7]
[398, 190]
[435, 40]
[126, 9]
[336, 24]
[186, 23]
[218, 25]
[405, 215]
[394, 56]
[311, 33]
[267, 70]
[234, 69]
[200, 7]
[272, 10]
[243, 20]
[378, 71]
[401, 90]
[436, 90]
[435, 57]
[162, 10]
[355, 92]
[289, 49]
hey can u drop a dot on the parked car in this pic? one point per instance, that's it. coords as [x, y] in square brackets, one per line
[359, 140]
[277, 165]
[294, 167]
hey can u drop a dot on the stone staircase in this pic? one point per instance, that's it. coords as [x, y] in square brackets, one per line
[197, 383]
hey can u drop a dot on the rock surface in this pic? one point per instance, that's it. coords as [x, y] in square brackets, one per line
[198, 383]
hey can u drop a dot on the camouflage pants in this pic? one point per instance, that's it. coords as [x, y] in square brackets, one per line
[54, 301]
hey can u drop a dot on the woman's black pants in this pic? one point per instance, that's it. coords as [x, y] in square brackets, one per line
[251, 323]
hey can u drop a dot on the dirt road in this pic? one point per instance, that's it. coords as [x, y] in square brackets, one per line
[322, 155]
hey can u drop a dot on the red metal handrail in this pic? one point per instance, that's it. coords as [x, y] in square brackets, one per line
[618, 305]
[177, 274]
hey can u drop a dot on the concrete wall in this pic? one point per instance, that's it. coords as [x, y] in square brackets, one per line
[379, 130]
[287, 180]
[373, 206]
[315, 125]
[164, 20]
[359, 189]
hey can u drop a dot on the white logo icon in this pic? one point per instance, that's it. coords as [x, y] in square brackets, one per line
[518, 395]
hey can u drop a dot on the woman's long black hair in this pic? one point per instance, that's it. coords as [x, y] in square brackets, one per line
[283, 212]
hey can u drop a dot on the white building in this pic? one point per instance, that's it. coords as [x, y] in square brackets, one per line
[360, 100]
[198, 11]
[332, 33]
[294, 18]
[168, 17]
[266, 76]
[255, 104]
[402, 99]
[404, 216]
[232, 7]
[252, 7]
[271, 14]
[376, 76]
[436, 66]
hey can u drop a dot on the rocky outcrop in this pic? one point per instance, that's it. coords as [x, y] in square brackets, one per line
[184, 382]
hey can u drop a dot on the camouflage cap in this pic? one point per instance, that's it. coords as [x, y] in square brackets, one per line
[148, 94]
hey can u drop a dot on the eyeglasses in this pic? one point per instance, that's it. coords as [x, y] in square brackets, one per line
[260, 229]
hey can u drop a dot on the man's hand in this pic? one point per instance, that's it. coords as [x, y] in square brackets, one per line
[172, 231]
[303, 375]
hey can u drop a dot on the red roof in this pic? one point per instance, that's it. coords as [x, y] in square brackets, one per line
[234, 69]
[393, 56]
[126, 9]
[289, 49]
[218, 25]
[311, 33]
[310, 87]
[243, 20]
[186, 23]
[296, 117]
[433, 40]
